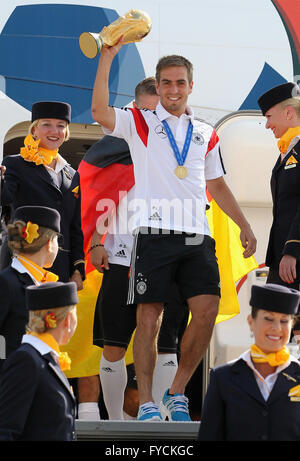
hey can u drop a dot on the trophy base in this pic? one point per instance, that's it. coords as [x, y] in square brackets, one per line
[90, 44]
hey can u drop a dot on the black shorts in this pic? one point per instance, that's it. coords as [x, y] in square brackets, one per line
[160, 260]
[115, 321]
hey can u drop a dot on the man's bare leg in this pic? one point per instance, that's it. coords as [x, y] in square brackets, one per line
[204, 309]
[88, 396]
[149, 318]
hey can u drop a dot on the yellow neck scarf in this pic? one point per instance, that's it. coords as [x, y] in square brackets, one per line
[274, 358]
[33, 153]
[63, 357]
[40, 274]
[287, 137]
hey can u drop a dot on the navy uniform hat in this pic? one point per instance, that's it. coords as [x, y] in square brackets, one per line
[278, 94]
[51, 109]
[276, 298]
[51, 295]
[40, 215]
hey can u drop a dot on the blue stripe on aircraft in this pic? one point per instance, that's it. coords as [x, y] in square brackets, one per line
[268, 78]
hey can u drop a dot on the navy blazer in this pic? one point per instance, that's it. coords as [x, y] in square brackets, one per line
[285, 231]
[13, 311]
[36, 401]
[26, 183]
[235, 410]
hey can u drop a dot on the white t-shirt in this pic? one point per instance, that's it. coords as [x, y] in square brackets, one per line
[162, 200]
[119, 240]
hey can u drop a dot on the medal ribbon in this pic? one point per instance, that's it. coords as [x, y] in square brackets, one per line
[179, 157]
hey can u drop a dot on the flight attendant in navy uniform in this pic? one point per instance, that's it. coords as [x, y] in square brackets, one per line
[33, 241]
[36, 401]
[257, 396]
[281, 107]
[40, 176]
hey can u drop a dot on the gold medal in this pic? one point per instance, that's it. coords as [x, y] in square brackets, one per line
[181, 172]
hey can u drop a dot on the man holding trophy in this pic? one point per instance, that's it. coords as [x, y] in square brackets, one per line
[175, 158]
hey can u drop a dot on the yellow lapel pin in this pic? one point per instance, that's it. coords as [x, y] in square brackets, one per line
[294, 393]
[76, 191]
[291, 162]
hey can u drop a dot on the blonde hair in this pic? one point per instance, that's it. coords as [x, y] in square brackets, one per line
[293, 102]
[34, 124]
[17, 243]
[146, 86]
[37, 322]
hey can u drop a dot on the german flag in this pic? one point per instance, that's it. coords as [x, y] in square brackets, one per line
[289, 12]
[232, 265]
[105, 170]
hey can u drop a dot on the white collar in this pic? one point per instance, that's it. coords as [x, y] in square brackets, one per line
[246, 356]
[38, 344]
[18, 266]
[293, 142]
[163, 114]
[60, 164]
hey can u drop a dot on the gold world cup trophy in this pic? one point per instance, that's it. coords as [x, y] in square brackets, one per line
[134, 26]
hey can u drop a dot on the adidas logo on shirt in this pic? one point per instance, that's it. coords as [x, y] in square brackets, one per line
[121, 254]
[108, 370]
[155, 216]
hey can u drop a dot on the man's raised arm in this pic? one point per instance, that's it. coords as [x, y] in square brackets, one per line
[101, 111]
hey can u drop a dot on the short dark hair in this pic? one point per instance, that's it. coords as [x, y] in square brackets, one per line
[146, 86]
[254, 311]
[174, 60]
